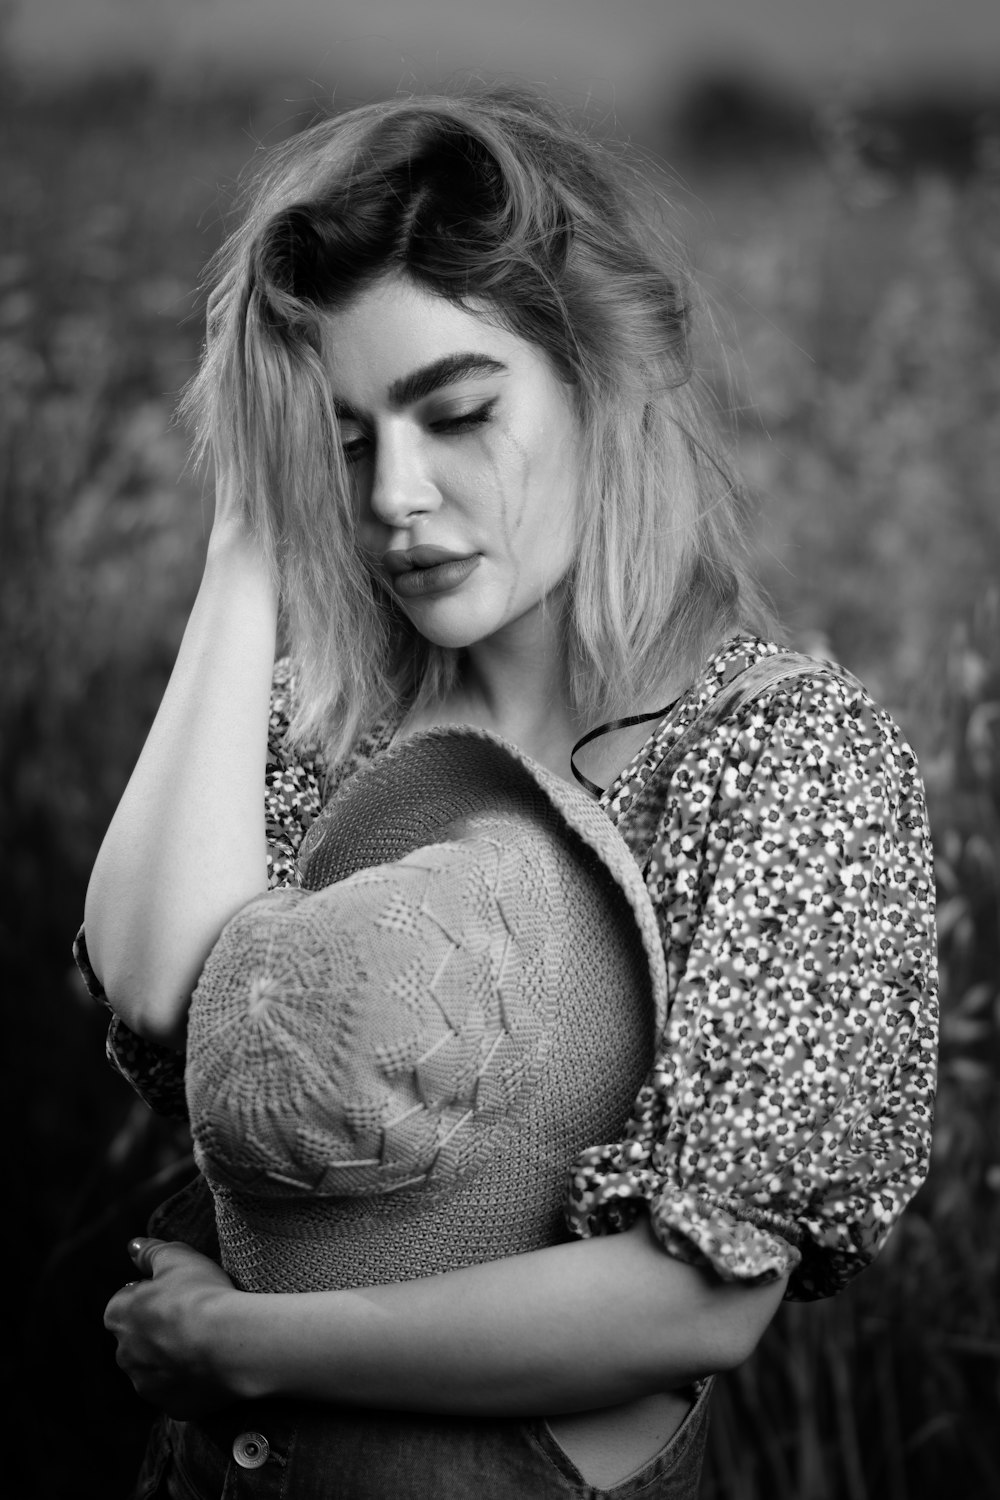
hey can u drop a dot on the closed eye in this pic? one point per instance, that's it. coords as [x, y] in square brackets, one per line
[357, 446]
[355, 449]
[464, 421]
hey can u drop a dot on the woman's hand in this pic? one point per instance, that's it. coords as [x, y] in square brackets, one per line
[164, 1324]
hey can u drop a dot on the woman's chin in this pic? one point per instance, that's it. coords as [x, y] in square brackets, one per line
[450, 639]
[449, 624]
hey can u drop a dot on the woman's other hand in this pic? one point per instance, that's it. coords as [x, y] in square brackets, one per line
[163, 1325]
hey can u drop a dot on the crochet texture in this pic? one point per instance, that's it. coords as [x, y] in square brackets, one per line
[386, 1077]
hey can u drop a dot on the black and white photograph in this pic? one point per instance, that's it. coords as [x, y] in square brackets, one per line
[500, 742]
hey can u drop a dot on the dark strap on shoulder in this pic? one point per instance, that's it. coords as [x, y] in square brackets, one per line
[764, 673]
[609, 728]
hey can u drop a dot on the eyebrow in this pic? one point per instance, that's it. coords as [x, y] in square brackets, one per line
[431, 378]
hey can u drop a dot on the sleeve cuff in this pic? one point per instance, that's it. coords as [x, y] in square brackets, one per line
[155, 1073]
[95, 988]
[737, 1242]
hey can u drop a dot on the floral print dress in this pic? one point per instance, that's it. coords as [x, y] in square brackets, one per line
[786, 1121]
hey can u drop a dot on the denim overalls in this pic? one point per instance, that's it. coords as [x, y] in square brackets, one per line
[302, 1451]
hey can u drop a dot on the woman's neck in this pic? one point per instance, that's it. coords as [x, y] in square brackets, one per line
[524, 701]
[516, 687]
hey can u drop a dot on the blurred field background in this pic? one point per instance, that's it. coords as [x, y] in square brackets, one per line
[844, 223]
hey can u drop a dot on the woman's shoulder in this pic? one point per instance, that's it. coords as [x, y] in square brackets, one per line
[754, 688]
[758, 719]
[287, 756]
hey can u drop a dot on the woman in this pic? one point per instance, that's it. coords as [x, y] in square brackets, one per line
[448, 393]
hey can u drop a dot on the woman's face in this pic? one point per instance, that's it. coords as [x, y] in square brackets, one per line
[462, 445]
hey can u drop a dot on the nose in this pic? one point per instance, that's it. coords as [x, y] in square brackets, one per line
[401, 487]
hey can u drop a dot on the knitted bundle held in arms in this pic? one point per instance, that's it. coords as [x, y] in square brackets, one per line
[390, 1069]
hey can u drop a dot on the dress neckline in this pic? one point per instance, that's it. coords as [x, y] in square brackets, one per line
[701, 689]
[736, 652]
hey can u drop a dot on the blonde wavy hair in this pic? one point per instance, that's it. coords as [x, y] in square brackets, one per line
[496, 202]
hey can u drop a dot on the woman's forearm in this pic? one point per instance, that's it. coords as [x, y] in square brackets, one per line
[186, 849]
[571, 1328]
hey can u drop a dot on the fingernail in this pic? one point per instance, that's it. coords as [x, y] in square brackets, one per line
[134, 1246]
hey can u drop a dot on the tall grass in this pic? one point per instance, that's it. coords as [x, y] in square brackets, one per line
[867, 422]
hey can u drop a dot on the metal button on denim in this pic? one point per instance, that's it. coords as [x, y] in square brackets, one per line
[250, 1450]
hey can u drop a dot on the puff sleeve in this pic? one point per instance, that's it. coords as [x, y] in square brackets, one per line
[786, 1122]
[292, 798]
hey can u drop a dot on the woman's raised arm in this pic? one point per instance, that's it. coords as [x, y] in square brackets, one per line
[185, 849]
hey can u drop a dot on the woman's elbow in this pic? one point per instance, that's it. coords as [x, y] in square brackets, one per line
[684, 1320]
[732, 1319]
[138, 986]
[150, 1009]
[695, 1323]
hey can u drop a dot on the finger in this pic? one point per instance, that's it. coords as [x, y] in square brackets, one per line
[141, 1251]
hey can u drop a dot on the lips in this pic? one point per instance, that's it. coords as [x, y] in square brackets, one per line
[422, 571]
[419, 557]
